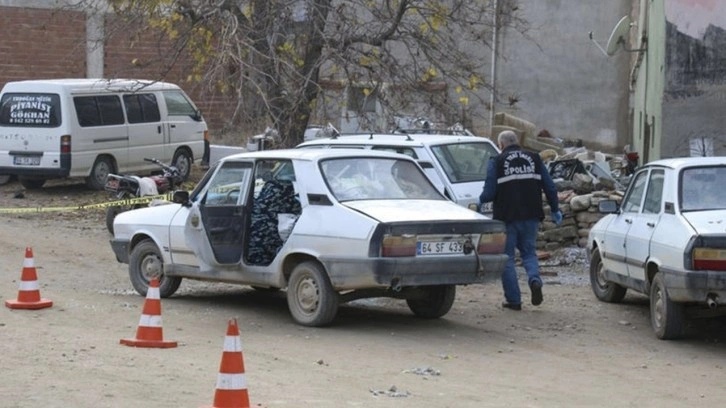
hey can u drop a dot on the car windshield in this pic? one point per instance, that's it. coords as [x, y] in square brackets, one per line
[464, 162]
[377, 179]
[702, 188]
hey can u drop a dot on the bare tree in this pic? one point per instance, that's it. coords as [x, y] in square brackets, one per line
[290, 60]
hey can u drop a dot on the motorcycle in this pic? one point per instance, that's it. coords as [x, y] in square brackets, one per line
[123, 187]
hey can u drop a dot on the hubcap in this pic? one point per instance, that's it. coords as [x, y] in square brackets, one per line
[658, 308]
[151, 267]
[182, 164]
[601, 276]
[308, 295]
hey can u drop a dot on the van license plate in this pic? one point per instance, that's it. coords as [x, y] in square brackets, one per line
[439, 247]
[26, 160]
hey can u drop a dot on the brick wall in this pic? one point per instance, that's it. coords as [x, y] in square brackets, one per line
[45, 43]
[38, 43]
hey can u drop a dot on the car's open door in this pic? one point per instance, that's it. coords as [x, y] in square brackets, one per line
[217, 223]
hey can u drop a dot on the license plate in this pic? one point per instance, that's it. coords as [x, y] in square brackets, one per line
[26, 160]
[439, 247]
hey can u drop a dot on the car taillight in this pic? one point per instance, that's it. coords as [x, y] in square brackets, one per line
[492, 243]
[709, 259]
[398, 245]
[65, 144]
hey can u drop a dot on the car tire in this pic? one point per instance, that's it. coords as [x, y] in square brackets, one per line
[310, 296]
[32, 183]
[183, 162]
[604, 290]
[146, 263]
[437, 302]
[666, 316]
[100, 170]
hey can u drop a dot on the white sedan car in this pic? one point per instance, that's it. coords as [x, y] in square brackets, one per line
[667, 240]
[328, 225]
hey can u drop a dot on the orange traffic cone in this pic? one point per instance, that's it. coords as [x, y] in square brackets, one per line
[29, 293]
[231, 389]
[149, 332]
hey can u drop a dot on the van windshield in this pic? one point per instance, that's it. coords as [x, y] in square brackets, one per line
[30, 110]
[464, 162]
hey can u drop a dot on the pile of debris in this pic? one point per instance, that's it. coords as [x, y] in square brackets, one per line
[583, 178]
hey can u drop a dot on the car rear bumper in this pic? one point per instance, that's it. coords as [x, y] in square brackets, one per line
[359, 273]
[695, 286]
[120, 247]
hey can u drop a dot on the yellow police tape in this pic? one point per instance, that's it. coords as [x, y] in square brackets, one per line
[117, 203]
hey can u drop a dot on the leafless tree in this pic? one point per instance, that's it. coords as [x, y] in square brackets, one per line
[290, 60]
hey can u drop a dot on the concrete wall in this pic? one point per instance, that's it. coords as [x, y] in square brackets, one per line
[694, 119]
[564, 83]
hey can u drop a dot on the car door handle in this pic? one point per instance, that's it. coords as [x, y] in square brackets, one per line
[172, 126]
[628, 220]
[158, 129]
[650, 224]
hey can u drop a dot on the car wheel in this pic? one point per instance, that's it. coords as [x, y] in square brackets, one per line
[183, 162]
[437, 302]
[310, 296]
[666, 316]
[146, 263]
[100, 170]
[31, 183]
[604, 290]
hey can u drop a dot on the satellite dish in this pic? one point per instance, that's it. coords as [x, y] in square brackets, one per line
[617, 37]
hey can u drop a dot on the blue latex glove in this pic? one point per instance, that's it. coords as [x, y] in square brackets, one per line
[557, 217]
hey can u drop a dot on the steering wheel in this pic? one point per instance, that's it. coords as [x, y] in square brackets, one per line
[232, 196]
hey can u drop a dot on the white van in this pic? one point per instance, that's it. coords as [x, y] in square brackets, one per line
[88, 128]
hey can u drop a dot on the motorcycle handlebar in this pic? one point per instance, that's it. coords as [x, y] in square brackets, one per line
[170, 169]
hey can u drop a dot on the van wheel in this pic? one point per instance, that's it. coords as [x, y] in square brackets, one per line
[436, 303]
[101, 168]
[32, 183]
[183, 162]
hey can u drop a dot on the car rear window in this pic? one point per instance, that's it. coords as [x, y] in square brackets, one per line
[464, 162]
[30, 110]
[702, 188]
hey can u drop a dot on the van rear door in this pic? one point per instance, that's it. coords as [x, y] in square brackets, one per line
[30, 141]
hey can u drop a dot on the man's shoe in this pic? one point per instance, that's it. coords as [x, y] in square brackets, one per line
[536, 288]
[512, 306]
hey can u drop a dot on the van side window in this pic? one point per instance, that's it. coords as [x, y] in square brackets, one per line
[98, 110]
[142, 108]
[178, 104]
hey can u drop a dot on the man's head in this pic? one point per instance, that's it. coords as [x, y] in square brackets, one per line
[506, 139]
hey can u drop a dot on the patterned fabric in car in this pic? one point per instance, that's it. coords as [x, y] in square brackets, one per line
[276, 197]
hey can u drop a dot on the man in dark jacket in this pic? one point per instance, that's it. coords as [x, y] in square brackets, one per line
[515, 182]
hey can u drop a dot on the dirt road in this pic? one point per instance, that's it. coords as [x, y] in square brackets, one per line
[572, 351]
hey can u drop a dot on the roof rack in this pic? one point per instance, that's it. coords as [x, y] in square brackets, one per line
[370, 135]
[447, 131]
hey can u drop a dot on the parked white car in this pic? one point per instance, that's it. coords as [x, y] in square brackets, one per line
[455, 160]
[667, 240]
[329, 225]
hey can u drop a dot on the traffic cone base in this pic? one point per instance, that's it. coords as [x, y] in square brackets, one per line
[29, 293]
[150, 333]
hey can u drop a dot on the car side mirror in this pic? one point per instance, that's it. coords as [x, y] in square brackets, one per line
[181, 197]
[608, 206]
[197, 116]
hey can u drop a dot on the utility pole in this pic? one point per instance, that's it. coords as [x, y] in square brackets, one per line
[495, 43]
